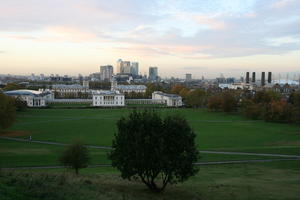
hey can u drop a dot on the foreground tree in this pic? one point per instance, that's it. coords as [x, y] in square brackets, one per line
[156, 150]
[76, 156]
[7, 111]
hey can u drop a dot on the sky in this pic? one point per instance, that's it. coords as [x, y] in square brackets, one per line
[201, 37]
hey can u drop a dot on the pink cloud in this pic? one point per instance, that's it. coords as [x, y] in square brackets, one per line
[282, 3]
[211, 22]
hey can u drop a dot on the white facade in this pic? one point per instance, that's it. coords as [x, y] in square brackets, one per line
[108, 99]
[235, 86]
[171, 100]
[32, 98]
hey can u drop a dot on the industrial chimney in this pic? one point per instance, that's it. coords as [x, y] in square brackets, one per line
[247, 77]
[263, 78]
[269, 77]
[253, 77]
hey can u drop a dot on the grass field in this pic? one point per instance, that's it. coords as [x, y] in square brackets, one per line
[263, 181]
[215, 131]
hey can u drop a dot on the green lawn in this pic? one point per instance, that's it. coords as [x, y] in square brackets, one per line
[263, 181]
[215, 131]
[22, 154]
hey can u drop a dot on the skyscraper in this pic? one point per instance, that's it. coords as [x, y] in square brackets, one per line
[120, 69]
[188, 77]
[126, 67]
[106, 72]
[135, 68]
[153, 73]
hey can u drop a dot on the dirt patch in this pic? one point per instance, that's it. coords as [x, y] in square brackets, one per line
[14, 133]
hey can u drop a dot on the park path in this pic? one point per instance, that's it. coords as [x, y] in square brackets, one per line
[198, 163]
[201, 151]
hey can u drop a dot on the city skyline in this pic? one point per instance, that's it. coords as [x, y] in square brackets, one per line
[179, 37]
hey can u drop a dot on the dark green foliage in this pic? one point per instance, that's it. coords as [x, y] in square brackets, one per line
[75, 156]
[157, 150]
[20, 104]
[265, 97]
[12, 86]
[7, 111]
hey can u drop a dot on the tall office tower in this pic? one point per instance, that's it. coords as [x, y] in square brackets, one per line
[253, 77]
[135, 68]
[263, 79]
[247, 77]
[120, 68]
[188, 77]
[269, 77]
[126, 67]
[106, 72]
[153, 73]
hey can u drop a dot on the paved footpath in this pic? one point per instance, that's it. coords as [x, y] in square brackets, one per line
[199, 163]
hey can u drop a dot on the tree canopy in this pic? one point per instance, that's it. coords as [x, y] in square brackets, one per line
[7, 111]
[156, 150]
[76, 156]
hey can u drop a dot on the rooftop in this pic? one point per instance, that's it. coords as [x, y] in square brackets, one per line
[26, 92]
[63, 86]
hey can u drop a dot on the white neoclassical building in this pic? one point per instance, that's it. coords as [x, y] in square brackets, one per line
[108, 98]
[32, 98]
[171, 100]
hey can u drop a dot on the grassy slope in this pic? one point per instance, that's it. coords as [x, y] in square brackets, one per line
[227, 182]
[216, 131]
[19, 154]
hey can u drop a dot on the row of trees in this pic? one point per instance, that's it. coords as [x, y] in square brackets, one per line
[267, 105]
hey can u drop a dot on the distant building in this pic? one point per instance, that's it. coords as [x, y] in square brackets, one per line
[120, 69]
[135, 68]
[108, 98]
[69, 91]
[153, 73]
[171, 100]
[86, 84]
[131, 88]
[126, 67]
[106, 72]
[188, 77]
[32, 98]
[235, 86]
[127, 88]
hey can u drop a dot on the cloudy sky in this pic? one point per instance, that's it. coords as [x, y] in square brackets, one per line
[202, 37]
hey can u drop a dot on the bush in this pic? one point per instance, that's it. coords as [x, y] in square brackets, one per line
[76, 156]
[156, 150]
